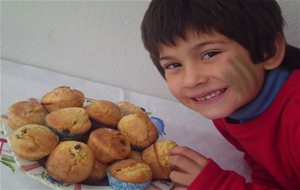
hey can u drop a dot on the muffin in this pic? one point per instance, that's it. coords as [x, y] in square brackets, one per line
[70, 162]
[26, 112]
[69, 123]
[129, 174]
[139, 130]
[104, 112]
[108, 145]
[129, 108]
[98, 173]
[33, 142]
[156, 156]
[62, 97]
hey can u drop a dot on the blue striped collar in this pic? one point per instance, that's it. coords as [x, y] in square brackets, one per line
[274, 79]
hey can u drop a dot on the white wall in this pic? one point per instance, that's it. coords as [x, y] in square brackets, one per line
[95, 40]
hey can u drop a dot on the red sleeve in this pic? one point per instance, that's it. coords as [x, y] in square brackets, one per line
[291, 119]
[213, 177]
[258, 174]
[227, 136]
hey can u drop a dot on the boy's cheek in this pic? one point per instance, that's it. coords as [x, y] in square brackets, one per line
[170, 84]
[174, 89]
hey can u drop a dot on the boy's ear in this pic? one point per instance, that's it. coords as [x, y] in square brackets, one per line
[274, 61]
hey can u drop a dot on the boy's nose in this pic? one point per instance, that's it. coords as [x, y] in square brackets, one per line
[194, 76]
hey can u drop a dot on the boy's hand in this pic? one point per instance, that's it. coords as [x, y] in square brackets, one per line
[186, 164]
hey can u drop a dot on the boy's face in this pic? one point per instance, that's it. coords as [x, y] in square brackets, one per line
[211, 74]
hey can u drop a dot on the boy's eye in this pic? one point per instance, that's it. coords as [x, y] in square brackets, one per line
[172, 66]
[209, 54]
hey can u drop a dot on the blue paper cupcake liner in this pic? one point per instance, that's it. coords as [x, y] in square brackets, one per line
[118, 184]
[66, 135]
[138, 148]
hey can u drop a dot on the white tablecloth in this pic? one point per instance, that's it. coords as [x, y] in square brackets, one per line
[186, 127]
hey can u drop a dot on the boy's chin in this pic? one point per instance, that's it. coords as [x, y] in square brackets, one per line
[212, 115]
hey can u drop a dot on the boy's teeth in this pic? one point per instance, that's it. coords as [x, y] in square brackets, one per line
[209, 96]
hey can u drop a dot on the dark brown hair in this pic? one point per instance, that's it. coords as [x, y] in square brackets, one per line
[254, 24]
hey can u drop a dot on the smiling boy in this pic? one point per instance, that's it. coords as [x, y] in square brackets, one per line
[204, 72]
[229, 61]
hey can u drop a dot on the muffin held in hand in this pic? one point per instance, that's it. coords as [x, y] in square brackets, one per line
[70, 162]
[33, 142]
[156, 156]
[26, 112]
[139, 130]
[129, 108]
[69, 123]
[109, 145]
[104, 112]
[62, 97]
[129, 174]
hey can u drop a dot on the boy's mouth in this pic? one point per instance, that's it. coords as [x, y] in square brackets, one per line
[210, 95]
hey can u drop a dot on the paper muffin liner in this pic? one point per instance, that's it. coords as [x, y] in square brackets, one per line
[138, 148]
[118, 184]
[66, 135]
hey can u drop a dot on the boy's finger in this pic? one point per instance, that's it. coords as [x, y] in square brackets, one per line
[191, 154]
[178, 187]
[184, 164]
[183, 179]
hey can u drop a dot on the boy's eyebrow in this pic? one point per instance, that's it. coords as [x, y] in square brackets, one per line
[205, 43]
[165, 58]
[197, 46]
